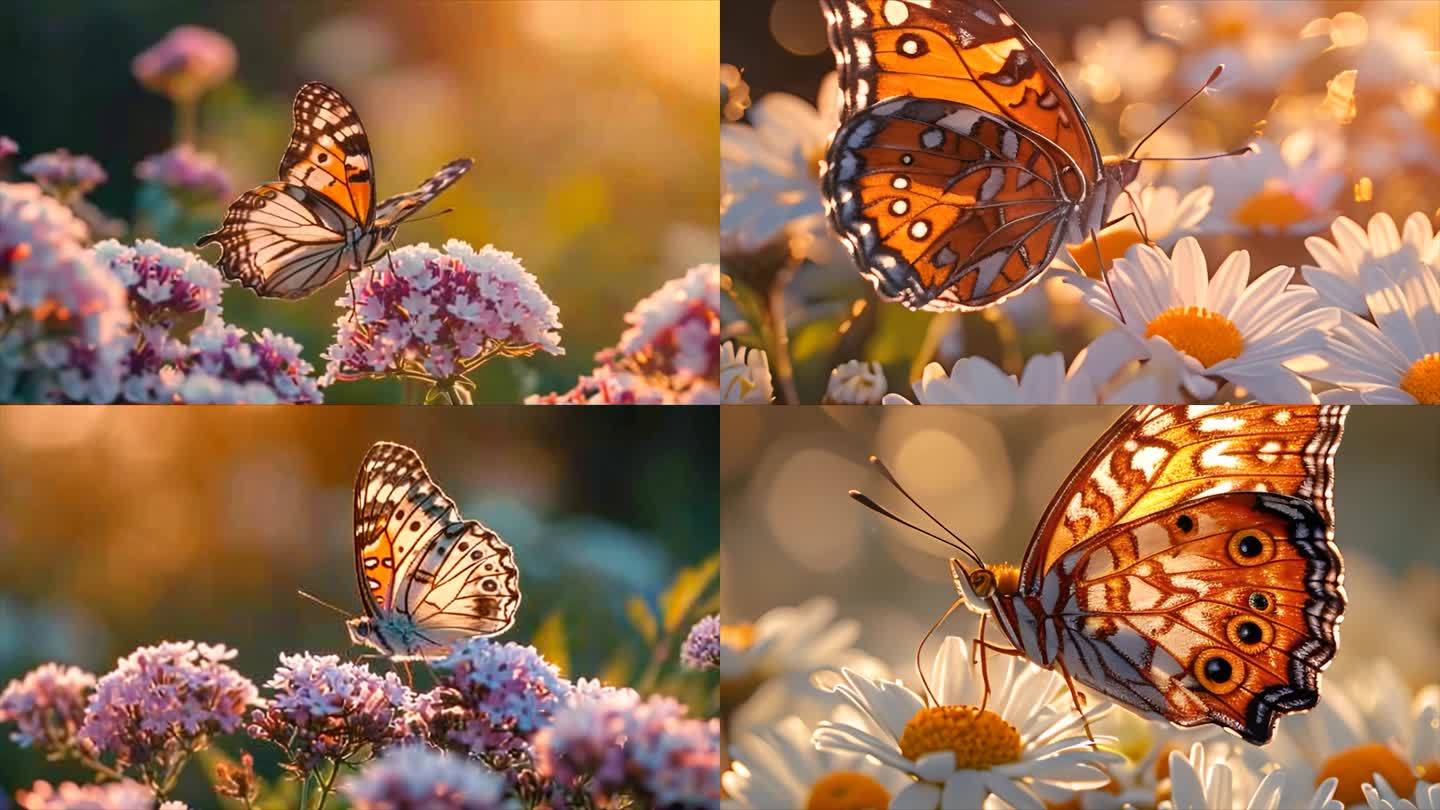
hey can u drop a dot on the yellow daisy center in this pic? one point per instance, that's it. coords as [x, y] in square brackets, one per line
[847, 790]
[1112, 243]
[1354, 766]
[737, 636]
[1273, 205]
[979, 739]
[1422, 381]
[1204, 335]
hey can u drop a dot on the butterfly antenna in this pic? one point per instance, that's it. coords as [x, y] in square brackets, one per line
[431, 216]
[959, 543]
[317, 600]
[1215, 74]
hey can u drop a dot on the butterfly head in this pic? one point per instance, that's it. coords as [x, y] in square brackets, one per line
[362, 631]
[1121, 170]
[979, 585]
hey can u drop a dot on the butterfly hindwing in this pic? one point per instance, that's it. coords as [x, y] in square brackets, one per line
[329, 152]
[393, 210]
[1155, 457]
[1223, 609]
[416, 558]
[944, 206]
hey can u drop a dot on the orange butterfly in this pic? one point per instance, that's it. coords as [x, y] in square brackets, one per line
[963, 163]
[1186, 568]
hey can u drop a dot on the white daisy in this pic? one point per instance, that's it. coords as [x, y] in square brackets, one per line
[856, 383]
[1396, 359]
[1198, 784]
[744, 376]
[770, 167]
[1168, 217]
[974, 380]
[1279, 188]
[1228, 330]
[1257, 42]
[1026, 748]
[1119, 61]
[779, 767]
[767, 667]
[1383, 797]
[1336, 274]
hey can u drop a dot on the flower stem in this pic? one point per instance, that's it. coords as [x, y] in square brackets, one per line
[328, 784]
[185, 115]
[780, 335]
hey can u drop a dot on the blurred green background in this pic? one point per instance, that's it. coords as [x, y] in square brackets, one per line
[789, 532]
[122, 526]
[591, 123]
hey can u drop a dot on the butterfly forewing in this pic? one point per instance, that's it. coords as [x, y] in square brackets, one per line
[329, 152]
[1219, 610]
[1156, 457]
[393, 210]
[417, 558]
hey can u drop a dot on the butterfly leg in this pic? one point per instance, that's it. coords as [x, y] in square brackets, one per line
[1075, 696]
[409, 676]
[928, 634]
[1095, 240]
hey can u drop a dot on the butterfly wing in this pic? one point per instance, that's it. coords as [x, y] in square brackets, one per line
[1157, 457]
[1223, 609]
[945, 207]
[961, 155]
[416, 559]
[282, 241]
[329, 153]
[393, 210]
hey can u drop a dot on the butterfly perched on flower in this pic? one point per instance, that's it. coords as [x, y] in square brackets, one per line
[319, 221]
[427, 577]
[962, 164]
[1186, 569]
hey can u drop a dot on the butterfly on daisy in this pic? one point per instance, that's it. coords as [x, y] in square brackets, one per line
[427, 577]
[289, 238]
[1186, 569]
[962, 163]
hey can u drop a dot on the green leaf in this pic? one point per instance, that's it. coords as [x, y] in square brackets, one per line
[550, 640]
[643, 618]
[687, 589]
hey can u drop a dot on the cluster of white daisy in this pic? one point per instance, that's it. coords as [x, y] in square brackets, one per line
[814, 722]
[1207, 294]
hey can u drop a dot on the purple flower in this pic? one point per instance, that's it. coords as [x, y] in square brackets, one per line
[47, 706]
[502, 694]
[610, 386]
[70, 796]
[701, 649]
[64, 174]
[8, 147]
[676, 329]
[440, 315]
[415, 778]
[161, 703]
[608, 743]
[192, 174]
[186, 63]
[226, 364]
[163, 283]
[323, 710]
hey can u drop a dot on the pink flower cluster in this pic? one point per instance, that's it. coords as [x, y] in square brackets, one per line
[701, 649]
[8, 147]
[125, 795]
[504, 694]
[64, 174]
[415, 778]
[324, 710]
[607, 742]
[224, 364]
[160, 703]
[423, 312]
[669, 354]
[163, 283]
[47, 706]
[187, 62]
[189, 173]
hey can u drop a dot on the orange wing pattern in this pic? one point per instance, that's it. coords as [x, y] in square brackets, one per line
[330, 153]
[1154, 458]
[963, 161]
[426, 576]
[1219, 610]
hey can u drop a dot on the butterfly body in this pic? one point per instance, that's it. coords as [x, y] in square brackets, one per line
[1186, 569]
[963, 164]
[319, 221]
[427, 577]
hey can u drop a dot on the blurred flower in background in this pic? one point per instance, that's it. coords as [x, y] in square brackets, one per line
[1333, 98]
